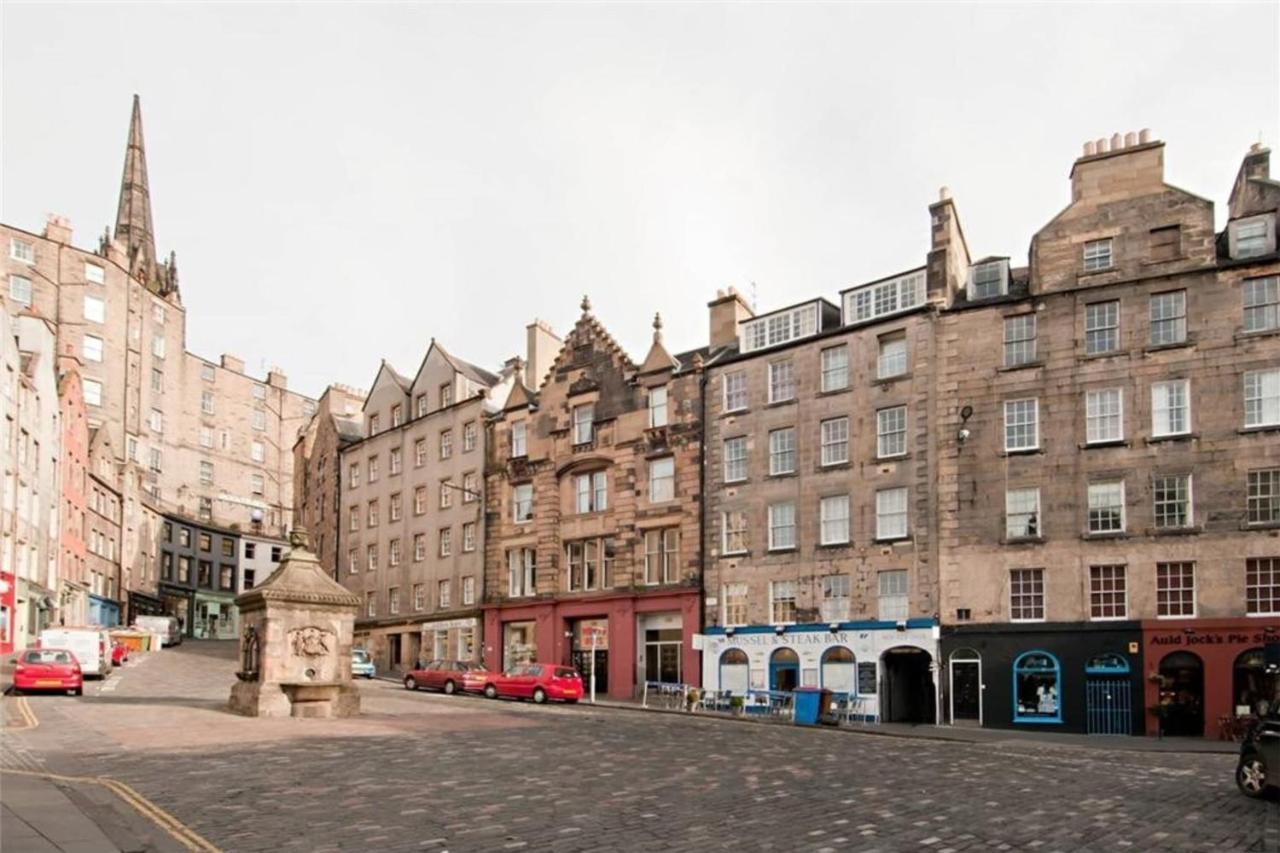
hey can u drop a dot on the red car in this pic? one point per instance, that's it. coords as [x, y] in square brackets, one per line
[48, 669]
[449, 676]
[119, 653]
[536, 681]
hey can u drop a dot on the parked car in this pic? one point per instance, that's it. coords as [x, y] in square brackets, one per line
[448, 676]
[1259, 768]
[362, 664]
[48, 669]
[536, 681]
[119, 653]
[92, 647]
[168, 628]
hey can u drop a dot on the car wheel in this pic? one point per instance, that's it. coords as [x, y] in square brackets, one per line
[449, 688]
[539, 696]
[490, 692]
[1251, 776]
[571, 701]
[409, 683]
[79, 691]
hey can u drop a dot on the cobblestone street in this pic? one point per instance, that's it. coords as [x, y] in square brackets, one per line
[422, 771]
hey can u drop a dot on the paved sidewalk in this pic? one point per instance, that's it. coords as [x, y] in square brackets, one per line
[966, 734]
[40, 817]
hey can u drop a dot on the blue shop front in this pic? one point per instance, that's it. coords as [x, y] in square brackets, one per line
[887, 670]
[103, 611]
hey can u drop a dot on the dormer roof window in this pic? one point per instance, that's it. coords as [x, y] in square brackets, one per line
[780, 327]
[1252, 237]
[881, 298]
[1097, 255]
[989, 278]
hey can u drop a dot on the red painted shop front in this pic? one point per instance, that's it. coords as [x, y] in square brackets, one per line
[638, 637]
[1204, 673]
[8, 613]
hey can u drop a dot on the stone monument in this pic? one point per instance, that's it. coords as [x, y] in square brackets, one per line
[295, 642]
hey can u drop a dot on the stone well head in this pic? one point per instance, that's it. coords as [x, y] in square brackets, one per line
[295, 641]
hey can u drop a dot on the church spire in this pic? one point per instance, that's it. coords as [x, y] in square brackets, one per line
[133, 215]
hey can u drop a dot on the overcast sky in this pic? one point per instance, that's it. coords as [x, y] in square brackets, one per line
[343, 182]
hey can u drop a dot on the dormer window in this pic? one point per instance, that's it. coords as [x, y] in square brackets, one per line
[1097, 255]
[1252, 237]
[397, 415]
[989, 279]
[373, 424]
[779, 328]
[900, 293]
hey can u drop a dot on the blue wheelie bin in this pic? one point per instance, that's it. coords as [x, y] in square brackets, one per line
[811, 705]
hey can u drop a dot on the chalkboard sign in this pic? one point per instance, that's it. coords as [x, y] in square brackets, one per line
[867, 678]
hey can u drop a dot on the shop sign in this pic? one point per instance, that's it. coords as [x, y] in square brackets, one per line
[1212, 638]
[798, 638]
[448, 624]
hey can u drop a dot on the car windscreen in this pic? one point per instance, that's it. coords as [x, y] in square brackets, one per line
[360, 657]
[48, 656]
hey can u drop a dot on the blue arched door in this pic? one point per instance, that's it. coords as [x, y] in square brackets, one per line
[784, 670]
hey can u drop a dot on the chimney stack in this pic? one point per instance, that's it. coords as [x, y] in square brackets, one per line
[726, 311]
[230, 362]
[277, 379]
[58, 229]
[541, 348]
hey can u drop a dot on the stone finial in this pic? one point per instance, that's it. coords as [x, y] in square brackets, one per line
[657, 328]
[586, 303]
[299, 538]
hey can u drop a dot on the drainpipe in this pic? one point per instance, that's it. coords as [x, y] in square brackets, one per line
[702, 510]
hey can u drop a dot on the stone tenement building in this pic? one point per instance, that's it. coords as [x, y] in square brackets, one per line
[592, 514]
[1110, 494]
[821, 454]
[29, 479]
[317, 470]
[213, 442]
[1043, 496]
[410, 510]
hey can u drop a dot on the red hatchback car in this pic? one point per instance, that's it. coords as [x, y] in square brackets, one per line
[449, 676]
[48, 669]
[536, 681]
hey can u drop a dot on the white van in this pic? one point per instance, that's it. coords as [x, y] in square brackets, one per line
[91, 646]
[168, 628]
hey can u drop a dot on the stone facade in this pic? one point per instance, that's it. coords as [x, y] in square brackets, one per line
[410, 511]
[592, 507]
[73, 575]
[199, 569]
[317, 471]
[1138, 476]
[29, 503]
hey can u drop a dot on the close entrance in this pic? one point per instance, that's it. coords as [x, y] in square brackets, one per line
[1182, 695]
[908, 695]
[966, 688]
[1108, 696]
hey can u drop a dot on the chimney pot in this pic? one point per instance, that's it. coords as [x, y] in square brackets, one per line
[1144, 135]
[1130, 139]
[1100, 146]
[1117, 142]
[1088, 149]
[944, 193]
[719, 293]
[1255, 148]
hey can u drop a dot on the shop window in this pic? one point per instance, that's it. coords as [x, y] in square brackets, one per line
[734, 671]
[1254, 687]
[839, 670]
[1036, 680]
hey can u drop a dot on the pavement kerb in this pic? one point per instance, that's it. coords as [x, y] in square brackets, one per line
[925, 734]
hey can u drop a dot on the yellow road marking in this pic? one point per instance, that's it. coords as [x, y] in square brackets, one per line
[29, 719]
[184, 835]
